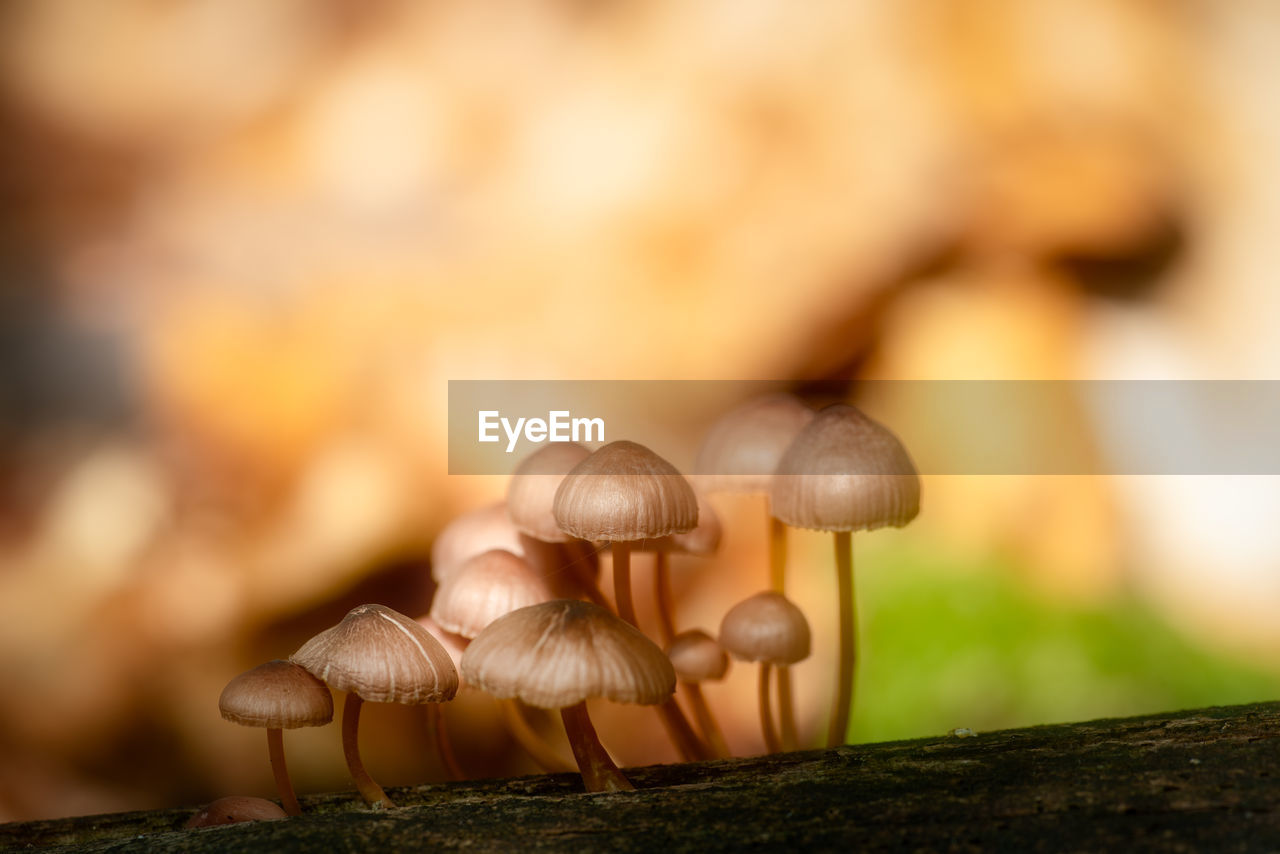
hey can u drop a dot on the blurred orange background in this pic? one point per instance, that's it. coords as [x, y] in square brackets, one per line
[245, 245]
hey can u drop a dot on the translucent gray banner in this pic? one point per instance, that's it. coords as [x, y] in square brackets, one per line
[948, 427]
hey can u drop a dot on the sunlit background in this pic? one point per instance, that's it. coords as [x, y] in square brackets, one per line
[244, 245]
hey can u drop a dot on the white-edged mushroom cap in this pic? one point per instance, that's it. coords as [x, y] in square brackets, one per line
[845, 472]
[486, 587]
[381, 655]
[743, 447]
[622, 493]
[531, 492]
[470, 534]
[766, 627]
[697, 657]
[562, 652]
[277, 695]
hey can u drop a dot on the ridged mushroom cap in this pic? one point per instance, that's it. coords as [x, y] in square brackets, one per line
[743, 447]
[470, 534]
[383, 656]
[622, 493]
[277, 695]
[487, 586]
[531, 492]
[697, 657]
[845, 472]
[703, 540]
[766, 627]
[562, 652]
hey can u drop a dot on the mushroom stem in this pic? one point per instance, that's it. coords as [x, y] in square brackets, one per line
[369, 790]
[662, 592]
[678, 728]
[847, 667]
[599, 773]
[622, 583]
[766, 713]
[711, 732]
[275, 748]
[439, 736]
[777, 552]
[543, 754]
[579, 555]
[786, 709]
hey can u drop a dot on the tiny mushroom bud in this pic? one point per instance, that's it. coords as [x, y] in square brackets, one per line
[697, 657]
[382, 656]
[277, 695]
[234, 809]
[770, 629]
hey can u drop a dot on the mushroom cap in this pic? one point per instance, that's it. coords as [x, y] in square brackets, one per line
[845, 472]
[703, 540]
[531, 492]
[766, 627]
[470, 534]
[743, 447]
[277, 695]
[381, 655]
[696, 656]
[234, 809]
[625, 492]
[486, 587]
[560, 653]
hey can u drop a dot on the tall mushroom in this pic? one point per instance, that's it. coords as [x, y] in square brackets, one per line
[559, 654]
[770, 629]
[277, 695]
[622, 493]
[382, 656]
[702, 541]
[739, 454]
[844, 473]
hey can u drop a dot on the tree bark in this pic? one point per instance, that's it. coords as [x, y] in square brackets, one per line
[1197, 780]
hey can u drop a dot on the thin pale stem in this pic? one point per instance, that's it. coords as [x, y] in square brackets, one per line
[275, 748]
[766, 713]
[599, 772]
[786, 709]
[544, 754]
[711, 732]
[777, 553]
[662, 592]
[581, 556]
[622, 583]
[369, 790]
[847, 667]
[440, 738]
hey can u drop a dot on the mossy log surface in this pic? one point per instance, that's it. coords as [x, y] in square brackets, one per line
[1188, 781]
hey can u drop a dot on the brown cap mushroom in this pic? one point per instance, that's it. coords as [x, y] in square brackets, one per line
[470, 534]
[625, 492]
[531, 491]
[234, 809]
[743, 447]
[379, 655]
[277, 695]
[560, 653]
[845, 472]
[696, 656]
[486, 587]
[766, 627]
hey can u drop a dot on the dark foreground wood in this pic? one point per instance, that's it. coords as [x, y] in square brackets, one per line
[1206, 780]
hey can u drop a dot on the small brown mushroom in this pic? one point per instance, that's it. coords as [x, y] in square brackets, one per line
[382, 656]
[770, 629]
[697, 658]
[559, 654]
[278, 695]
[234, 809]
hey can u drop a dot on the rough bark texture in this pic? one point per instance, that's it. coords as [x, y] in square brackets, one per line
[1206, 779]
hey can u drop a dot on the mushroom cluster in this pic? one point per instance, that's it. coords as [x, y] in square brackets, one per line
[518, 612]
